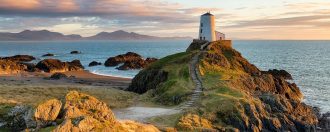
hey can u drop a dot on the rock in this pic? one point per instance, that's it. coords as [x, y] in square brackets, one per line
[147, 80]
[85, 113]
[31, 67]
[94, 63]
[196, 45]
[58, 76]
[324, 122]
[10, 67]
[47, 55]
[54, 65]
[151, 60]
[75, 52]
[47, 112]
[132, 126]
[79, 104]
[191, 122]
[129, 56]
[20, 118]
[20, 58]
[279, 73]
[135, 64]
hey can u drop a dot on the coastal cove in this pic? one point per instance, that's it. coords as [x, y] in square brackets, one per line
[305, 60]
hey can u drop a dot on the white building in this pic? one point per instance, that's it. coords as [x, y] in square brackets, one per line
[207, 29]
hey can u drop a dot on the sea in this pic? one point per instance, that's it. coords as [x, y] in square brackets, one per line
[307, 61]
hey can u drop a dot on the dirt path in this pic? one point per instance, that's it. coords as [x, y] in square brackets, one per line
[196, 77]
[141, 114]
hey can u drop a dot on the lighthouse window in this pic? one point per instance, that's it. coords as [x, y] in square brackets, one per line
[201, 24]
[201, 30]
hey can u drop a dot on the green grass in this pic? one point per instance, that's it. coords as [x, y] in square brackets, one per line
[178, 86]
[165, 121]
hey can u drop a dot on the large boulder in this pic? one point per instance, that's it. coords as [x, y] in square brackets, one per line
[54, 65]
[79, 104]
[47, 112]
[20, 58]
[115, 61]
[85, 113]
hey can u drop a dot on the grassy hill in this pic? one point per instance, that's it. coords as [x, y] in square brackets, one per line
[237, 95]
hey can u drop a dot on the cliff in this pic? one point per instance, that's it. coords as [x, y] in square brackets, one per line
[236, 94]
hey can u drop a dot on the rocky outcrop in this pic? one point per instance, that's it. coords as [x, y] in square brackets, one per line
[94, 63]
[196, 45]
[47, 55]
[119, 59]
[58, 76]
[147, 80]
[279, 74]
[10, 67]
[53, 65]
[16, 64]
[130, 61]
[271, 103]
[20, 58]
[81, 112]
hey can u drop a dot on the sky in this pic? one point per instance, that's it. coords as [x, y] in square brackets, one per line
[238, 19]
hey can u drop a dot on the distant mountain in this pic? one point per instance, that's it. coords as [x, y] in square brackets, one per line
[37, 35]
[43, 35]
[120, 35]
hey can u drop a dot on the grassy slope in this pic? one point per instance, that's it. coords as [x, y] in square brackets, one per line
[178, 85]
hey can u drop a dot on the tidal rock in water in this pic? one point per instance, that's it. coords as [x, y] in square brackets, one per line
[47, 55]
[54, 65]
[129, 56]
[75, 52]
[20, 58]
[94, 63]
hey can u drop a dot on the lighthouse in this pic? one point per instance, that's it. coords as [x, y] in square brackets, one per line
[207, 28]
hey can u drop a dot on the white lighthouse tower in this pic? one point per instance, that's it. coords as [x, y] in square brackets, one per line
[207, 29]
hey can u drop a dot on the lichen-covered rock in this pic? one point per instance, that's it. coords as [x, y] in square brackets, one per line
[79, 104]
[20, 118]
[48, 111]
[192, 122]
[84, 113]
[54, 65]
[132, 126]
